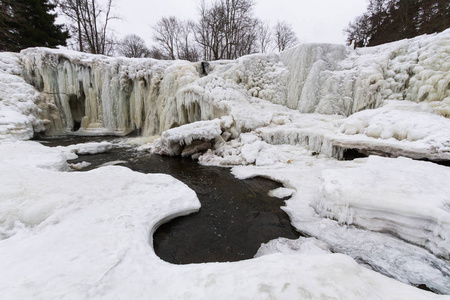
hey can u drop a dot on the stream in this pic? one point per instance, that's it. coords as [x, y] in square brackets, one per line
[235, 217]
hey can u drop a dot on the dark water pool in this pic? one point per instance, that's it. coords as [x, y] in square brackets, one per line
[235, 218]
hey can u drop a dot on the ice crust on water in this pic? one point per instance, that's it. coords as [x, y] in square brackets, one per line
[87, 234]
[71, 151]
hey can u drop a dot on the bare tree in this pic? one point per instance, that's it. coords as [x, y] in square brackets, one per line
[227, 29]
[285, 36]
[166, 34]
[208, 31]
[264, 36]
[133, 45]
[175, 39]
[186, 47]
[155, 53]
[91, 21]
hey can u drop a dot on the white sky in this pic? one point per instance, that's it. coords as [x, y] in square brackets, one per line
[312, 20]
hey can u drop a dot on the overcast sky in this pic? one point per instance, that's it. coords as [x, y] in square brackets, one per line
[312, 20]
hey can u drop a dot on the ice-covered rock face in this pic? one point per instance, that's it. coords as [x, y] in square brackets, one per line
[100, 95]
[331, 79]
[118, 95]
[392, 196]
[111, 95]
[19, 114]
[266, 93]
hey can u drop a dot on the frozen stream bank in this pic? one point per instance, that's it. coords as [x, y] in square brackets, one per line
[235, 218]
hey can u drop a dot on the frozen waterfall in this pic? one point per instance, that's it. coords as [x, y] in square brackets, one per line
[91, 94]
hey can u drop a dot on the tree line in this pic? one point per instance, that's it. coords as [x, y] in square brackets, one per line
[225, 29]
[29, 23]
[391, 20]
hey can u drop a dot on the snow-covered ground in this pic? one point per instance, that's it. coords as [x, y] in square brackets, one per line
[286, 117]
[88, 235]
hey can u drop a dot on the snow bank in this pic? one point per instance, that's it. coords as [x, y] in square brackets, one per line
[88, 235]
[379, 251]
[407, 198]
[32, 154]
[19, 114]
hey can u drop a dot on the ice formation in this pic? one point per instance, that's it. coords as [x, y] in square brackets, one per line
[86, 148]
[390, 197]
[378, 250]
[101, 95]
[398, 128]
[282, 116]
[188, 139]
[326, 79]
[19, 113]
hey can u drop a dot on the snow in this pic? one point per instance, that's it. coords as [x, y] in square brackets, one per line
[389, 255]
[407, 198]
[300, 245]
[399, 127]
[80, 165]
[85, 148]
[33, 154]
[283, 116]
[19, 113]
[281, 193]
[172, 140]
[88, 235]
